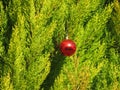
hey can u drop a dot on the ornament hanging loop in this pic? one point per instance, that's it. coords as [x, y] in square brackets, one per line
[66, 30]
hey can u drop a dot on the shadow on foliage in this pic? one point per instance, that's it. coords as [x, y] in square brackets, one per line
[4, 67]
[57, 61]
[9, 24]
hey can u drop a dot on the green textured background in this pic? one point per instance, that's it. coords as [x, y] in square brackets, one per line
[30, 34]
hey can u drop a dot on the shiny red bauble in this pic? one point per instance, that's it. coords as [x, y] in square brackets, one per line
[67, 47]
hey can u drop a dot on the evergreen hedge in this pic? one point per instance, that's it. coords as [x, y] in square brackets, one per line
[30, 34]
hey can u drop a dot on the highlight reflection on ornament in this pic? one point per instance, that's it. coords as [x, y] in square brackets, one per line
[67, 47]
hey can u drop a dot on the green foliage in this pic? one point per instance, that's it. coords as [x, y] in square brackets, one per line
[30, 33]
[2, 28]
[89, 67]
[3, 65]
[28, 47]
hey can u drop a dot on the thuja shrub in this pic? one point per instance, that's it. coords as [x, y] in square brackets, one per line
[30, 34]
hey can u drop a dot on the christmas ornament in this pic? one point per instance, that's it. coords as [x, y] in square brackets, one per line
[67, 47]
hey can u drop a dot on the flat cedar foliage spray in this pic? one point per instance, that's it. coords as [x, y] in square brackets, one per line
[30, 35]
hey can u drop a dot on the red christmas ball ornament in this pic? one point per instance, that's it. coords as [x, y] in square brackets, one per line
[67, 47]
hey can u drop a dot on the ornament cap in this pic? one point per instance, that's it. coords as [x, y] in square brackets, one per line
[67, 37]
